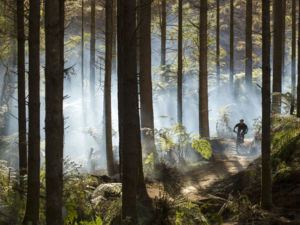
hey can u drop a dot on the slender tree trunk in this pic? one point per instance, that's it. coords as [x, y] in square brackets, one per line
[54, 73]
[293, 58]
[277, 54]
[283, 40]
[249, 43]
[129, 126]
[32, 205]
[203, 92]
[231, 66]
[114, 41]
[92, 52]
[163, 30]
[298, 85]
[21, 91]
[179, 70]
[266, 187]
[218, 43]
[147, 118]
[107, 84]
[82, 53]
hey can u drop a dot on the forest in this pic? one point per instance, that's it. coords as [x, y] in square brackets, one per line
[149, 112]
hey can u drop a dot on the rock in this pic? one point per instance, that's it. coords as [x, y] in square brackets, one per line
[104, 192]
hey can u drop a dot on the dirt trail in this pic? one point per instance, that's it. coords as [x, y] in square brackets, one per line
[225, 162]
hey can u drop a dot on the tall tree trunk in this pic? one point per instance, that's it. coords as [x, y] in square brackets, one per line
[107, 84]
[249, 43]
[21, 91]
[298, 85]
[147, 118]
[266, 187]
[32, 205]
[218, 43]
[82, 53]
[114, 41]
[283, 40]
[179, 69]
[129, 125]
[92, 53]
[231, 63]
[163, 30]
[293, 58]
[54, 73]
[203, 92]
[277, 54]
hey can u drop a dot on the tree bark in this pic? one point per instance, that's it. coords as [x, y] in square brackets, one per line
[107, 85]
[179, 69]
[114, 41]
[298, 85]
[249, 43]
[266, 187]
[203, 91]
[32, 205]
[92, 53]
[163, 30]
[218, 43]
[54, 73]
[283, 40]
[277, 54]
[147, 118]
[21, 91]
[129, 125]
[231, 63]
[293, 57]
[82, 53]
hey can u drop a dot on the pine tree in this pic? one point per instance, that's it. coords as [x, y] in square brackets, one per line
[266, 187]
[293, 57]
[32, 205]
[277, 54]
[21, 91]
[107, 84]
[129, 125]
[249, 43]
[179, 69]
[54, 73]
[147, 117]
[92, 53]
[218, 42]
[231, 40]
[163, 30]
[203, 91]
[298, 85]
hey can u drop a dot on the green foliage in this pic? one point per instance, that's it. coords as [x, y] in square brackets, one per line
[203, 147]
[12, 203]
[97, 221]
[177, 140]
[285, 136]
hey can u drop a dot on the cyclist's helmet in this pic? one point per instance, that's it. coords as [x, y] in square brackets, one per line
[241, 120]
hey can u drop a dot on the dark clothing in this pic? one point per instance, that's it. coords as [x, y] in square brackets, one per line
[242, 128]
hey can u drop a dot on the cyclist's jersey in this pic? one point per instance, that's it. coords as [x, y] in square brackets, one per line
[242, 128]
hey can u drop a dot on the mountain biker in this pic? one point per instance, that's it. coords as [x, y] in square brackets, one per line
[242, 130]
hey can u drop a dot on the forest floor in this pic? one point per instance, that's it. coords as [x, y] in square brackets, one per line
[220, 185]
[197, 178]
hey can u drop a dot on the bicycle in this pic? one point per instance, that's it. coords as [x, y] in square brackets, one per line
[240, 149]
